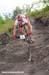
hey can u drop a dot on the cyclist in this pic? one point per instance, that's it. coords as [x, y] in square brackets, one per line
[24, 24]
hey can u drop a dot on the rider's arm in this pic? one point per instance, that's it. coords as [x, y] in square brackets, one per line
[29, 29]
[14, 29]
[27, 22]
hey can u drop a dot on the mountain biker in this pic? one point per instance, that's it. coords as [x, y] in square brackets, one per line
[22, 21]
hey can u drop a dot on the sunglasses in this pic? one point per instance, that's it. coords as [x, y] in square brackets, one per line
[20, 20]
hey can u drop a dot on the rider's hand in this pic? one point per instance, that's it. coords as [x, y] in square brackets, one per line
[30, 33]
[29, 39]
[14, 36]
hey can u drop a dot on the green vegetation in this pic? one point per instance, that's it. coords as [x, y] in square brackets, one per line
[39, 12]
[5, 25]
[8, 22]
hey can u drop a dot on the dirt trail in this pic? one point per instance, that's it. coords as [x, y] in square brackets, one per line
[13, 57]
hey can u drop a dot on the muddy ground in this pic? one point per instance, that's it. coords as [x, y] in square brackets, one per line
[14, 55]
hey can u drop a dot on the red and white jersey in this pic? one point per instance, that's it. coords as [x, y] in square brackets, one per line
[24, 18]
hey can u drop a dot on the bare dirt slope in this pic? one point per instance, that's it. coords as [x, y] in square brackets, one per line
[13, 56]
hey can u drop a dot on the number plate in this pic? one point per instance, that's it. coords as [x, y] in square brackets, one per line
[22, 36]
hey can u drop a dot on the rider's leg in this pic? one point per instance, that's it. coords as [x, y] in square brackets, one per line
[26, 29]
[21, 30]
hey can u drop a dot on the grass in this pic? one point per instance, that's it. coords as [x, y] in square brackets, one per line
[5, 26]
[8, 23]
[39, 12]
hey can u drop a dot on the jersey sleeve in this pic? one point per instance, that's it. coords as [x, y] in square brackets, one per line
[25, 21]
[16, 22]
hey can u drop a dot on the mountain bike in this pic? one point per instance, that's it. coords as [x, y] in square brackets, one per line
[29, 44]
